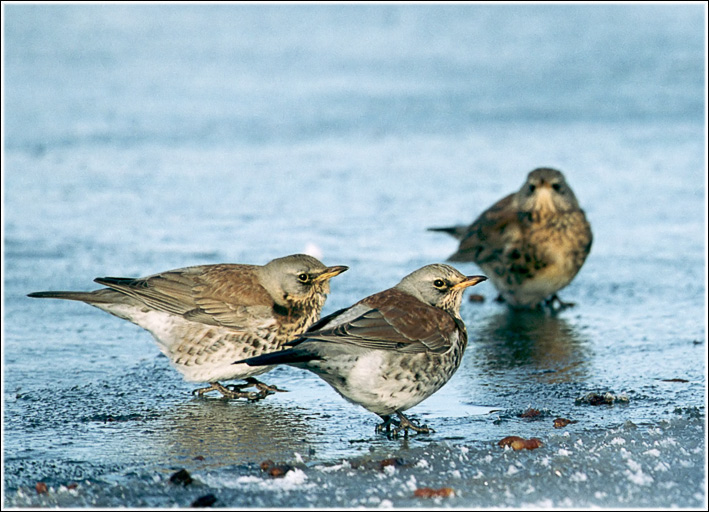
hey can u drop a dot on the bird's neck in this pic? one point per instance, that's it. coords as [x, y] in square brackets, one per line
[295, 319]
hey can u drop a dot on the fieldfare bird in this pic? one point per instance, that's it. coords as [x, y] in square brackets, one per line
[204, 317]
[531, 243]
[391, 350]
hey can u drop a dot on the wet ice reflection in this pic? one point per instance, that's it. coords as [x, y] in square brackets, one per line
[550, 346]
[212, 432]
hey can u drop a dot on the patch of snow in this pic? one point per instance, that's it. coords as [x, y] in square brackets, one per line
[578, 477]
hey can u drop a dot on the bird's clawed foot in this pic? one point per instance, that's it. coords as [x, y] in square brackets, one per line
[229, 393]
[560, 304]
[235, 390]
[403, 423]
[264, 389]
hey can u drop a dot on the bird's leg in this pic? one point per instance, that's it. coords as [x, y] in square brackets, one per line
[562, 305]
[264, 389]
[227, 393]
[386, 426]
[406, 424]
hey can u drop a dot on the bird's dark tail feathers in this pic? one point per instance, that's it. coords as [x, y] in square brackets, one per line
[104, 295]
[82, 296]
[288, 356]
[454, 231]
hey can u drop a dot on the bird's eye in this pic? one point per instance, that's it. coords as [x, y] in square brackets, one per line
[532, 188]
[557, 187]
[303, 278]
[439, 283]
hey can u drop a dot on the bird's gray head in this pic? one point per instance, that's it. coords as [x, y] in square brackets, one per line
[546, 189]
[297, 279]
[438, 285]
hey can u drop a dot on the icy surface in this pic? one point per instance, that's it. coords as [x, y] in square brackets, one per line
[144, 138]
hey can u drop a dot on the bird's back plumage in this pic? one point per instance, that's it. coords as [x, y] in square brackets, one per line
[392, 320]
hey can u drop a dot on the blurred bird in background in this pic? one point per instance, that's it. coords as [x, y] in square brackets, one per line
[531, 243]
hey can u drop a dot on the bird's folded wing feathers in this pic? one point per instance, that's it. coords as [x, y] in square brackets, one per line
[223, 295]
[488, 235]
[405, 325]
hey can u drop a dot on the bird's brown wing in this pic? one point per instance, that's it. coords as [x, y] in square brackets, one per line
[487, 237]
[225, 294]
[392, 320]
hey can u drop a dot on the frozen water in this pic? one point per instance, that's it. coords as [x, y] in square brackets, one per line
[143, 138]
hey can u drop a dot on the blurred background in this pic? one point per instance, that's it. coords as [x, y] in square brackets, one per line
[140, 138]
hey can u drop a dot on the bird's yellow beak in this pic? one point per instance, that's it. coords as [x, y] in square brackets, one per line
[330, 272]
[470, 281]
